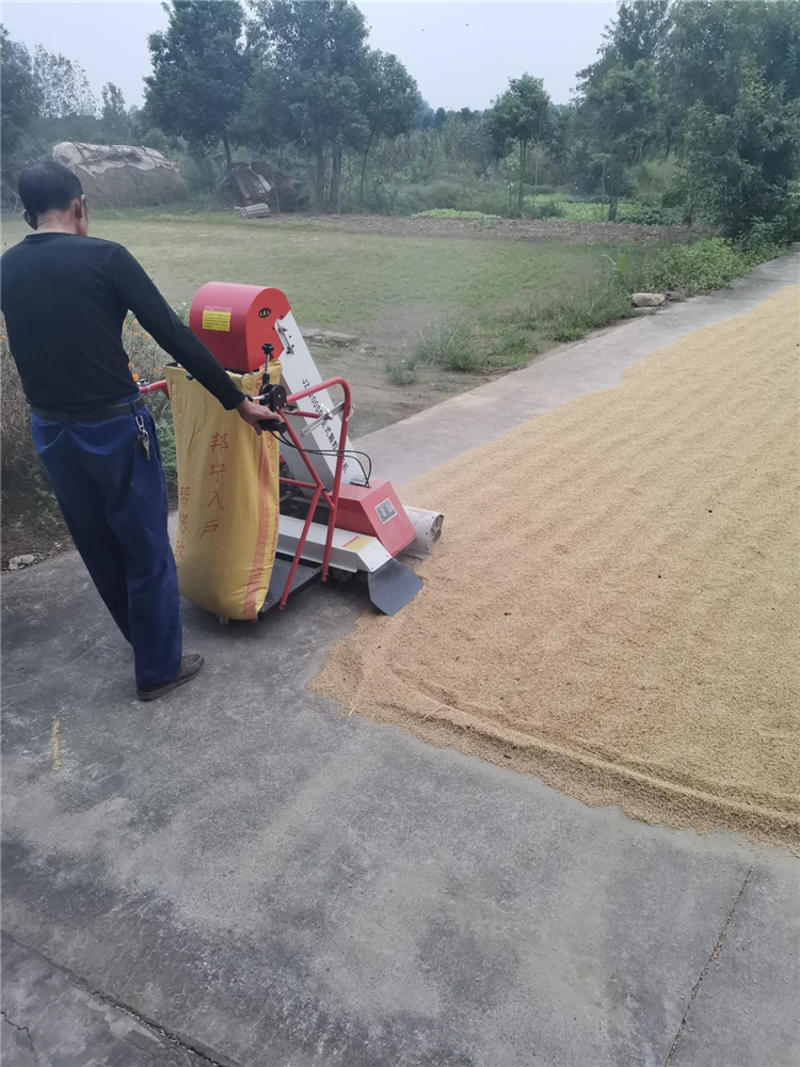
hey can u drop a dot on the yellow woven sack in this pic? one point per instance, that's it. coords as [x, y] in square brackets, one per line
[227, 498]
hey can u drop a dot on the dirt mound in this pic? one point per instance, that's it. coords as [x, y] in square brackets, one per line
[613, 606]
[122, 175]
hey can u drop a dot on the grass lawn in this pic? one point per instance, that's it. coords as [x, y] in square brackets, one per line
[335, 279]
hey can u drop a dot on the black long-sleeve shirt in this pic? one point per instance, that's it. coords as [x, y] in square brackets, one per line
[65, 299]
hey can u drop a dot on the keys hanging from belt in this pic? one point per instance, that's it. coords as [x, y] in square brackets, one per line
[143, 440]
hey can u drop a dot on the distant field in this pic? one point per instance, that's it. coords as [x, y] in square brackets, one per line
[385, 283]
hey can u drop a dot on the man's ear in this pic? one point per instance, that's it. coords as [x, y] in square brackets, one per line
[31, 222]
[81, 215]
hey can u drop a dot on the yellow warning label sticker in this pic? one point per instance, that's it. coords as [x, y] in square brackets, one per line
[355, 544]
[217, 319]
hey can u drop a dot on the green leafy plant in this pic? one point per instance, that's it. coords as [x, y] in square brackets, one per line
[402, 370]
[619, 265]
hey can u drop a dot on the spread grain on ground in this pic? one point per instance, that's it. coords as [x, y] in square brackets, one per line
[613, 606]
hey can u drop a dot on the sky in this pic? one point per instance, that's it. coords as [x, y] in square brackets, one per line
[461, 54]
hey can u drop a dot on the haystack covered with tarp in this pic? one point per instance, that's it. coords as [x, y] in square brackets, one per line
[120, 175]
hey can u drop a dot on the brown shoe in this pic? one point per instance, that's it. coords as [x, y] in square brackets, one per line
[190, 665]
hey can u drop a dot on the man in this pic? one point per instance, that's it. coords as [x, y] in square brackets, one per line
[65, 297]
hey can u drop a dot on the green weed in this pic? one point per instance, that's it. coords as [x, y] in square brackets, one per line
[454, 346]
[402, 370]
[497, 343]
[582, 309]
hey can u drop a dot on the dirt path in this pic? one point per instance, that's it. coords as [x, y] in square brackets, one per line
[613, 605]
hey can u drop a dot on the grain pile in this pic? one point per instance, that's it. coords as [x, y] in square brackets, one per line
[613, 606]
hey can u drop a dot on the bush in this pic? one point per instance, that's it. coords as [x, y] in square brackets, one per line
[30, 511]
[655, 178]
[491, 198]
[709, 264]
[544, 209]
[199, 173]
[398, 195]
[779, 230]
[649, 214]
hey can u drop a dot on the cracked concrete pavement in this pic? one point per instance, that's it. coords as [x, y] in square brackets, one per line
[241, 874]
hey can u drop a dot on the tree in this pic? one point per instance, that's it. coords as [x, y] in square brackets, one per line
[313, 56]
[710, 45]
[390, 102]
[200, 70]
[616, 116]
[737, 167]
[423, 120]
[116, 126]
[638, 32]
[734, 69]
[471, 143]
[521, 114]
[21, 93]
[63, 85]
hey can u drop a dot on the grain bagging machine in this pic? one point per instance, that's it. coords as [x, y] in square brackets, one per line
[265, 516]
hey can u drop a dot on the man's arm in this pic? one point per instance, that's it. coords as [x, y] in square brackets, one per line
[141, 296]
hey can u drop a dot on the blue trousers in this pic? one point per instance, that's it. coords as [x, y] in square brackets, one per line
[114, 501]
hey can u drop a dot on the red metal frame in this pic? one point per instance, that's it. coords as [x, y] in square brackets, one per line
[154, 387]
[331, 497]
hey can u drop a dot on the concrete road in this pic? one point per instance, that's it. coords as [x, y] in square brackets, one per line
[241, 874]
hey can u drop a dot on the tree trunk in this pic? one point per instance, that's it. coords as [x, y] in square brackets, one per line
[226, 145]
[335, 199]
[364, 172]
[523, 162]
[612, 207]
[319, 183]
[276, 187]
[668, 148]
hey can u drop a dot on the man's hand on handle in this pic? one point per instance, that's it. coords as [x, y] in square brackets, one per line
[254, 414]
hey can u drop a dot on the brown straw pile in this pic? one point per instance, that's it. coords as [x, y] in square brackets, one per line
[613, 606]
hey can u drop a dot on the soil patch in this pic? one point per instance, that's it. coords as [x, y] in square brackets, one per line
[613, 604]
[563, 231]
